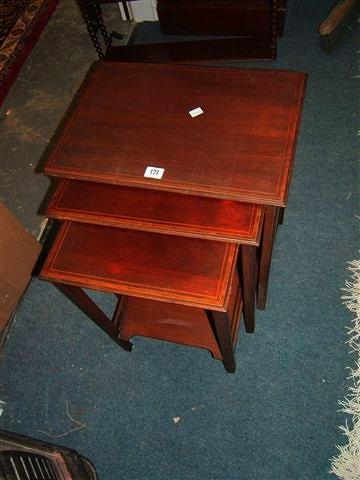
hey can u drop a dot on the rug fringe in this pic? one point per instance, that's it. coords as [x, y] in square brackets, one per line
[346, 465]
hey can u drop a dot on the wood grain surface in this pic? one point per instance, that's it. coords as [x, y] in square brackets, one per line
[158, 211]
[137, 115]
[168, 268]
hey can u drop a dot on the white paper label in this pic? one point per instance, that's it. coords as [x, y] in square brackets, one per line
[154, 172]
[197, 111]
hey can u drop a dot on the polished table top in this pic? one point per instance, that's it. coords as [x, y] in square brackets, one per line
[135, 116]
[188, 271]
[156, 211]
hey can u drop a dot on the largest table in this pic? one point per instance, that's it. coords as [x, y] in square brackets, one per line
[241, 147]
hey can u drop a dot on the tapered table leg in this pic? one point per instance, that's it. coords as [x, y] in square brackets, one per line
[281, 215]
[86, 305]
[220, 322]
[267, 244]
[248, 275]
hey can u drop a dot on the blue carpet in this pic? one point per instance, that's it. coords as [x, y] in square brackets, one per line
[276, 418]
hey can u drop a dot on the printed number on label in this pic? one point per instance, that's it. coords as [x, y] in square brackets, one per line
[154, 172]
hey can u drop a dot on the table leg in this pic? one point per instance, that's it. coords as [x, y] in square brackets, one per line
[220, 321]
[267, 244]
[248, 275]
[85, 304]
[281, 215]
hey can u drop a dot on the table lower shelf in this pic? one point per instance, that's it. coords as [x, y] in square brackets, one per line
[175, 323]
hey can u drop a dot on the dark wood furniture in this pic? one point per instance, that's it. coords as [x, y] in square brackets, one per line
[245, 30]
[171, 214]
[252, 28]
[19, 251]
[156, 211]
[197, 277]
[241, 148]
[252, 18]
[224, 49]
[160, 207]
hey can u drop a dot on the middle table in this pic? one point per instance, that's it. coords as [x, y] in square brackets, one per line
[170, 214]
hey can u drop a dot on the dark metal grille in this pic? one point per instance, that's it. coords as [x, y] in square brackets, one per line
[15, 465]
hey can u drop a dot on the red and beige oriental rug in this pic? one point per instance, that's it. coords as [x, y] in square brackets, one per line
[21, 23]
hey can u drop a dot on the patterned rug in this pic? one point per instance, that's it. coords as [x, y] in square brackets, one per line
[21, 23]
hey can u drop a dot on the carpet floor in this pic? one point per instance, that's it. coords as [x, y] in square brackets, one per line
[277, 418]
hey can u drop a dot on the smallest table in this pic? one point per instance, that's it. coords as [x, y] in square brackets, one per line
[184, 290]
